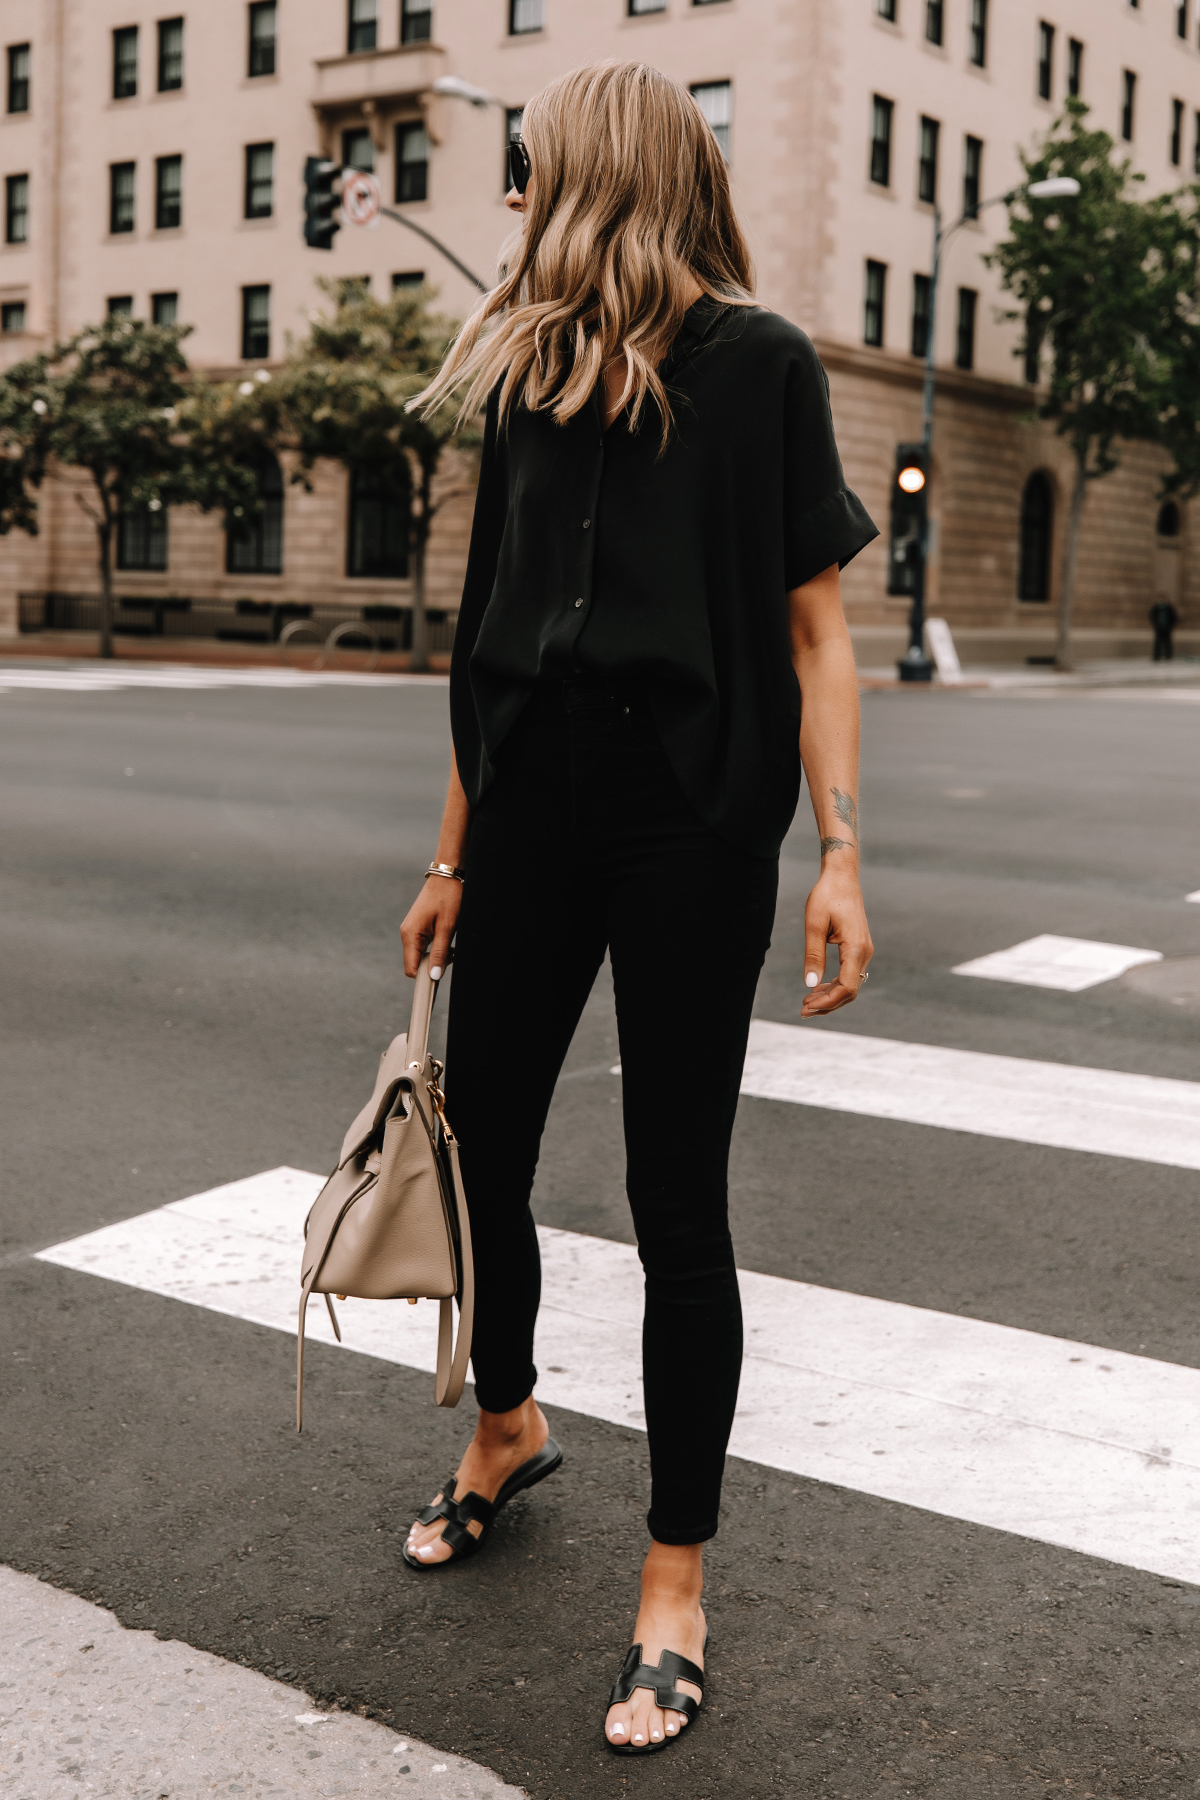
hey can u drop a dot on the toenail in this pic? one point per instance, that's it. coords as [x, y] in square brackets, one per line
[637, 1737]
[656, 1734]
[615, 1728]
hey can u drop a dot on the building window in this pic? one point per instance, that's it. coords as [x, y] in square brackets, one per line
[935, 21]
[715, 100]
[119, 306]
[978, 33]
[922, 293]
[170, 55]
[964, 349]
[1045, 78]
[1196, 150]
[16, 209]
[12, 318]
[256, 323]
[361, 25]
[513, 118]
[142, 538]
[358, 152]
[886, 10]
[412, 163]
[125, 61]
[1074, 68]
[261, 60]
[18, 78]
[257, 548]
[408, 278]
[1181, 19]
[168, 192]
[260, 181]
[1129, 97]
[416, 22]
[1037, 528]
[377, 543]
[121, 177]
[928, 163]
[1169, 522]
[881, 140]
[1177, 132]
[637, 7]
[972, 176]
[524, 15]
[164, 309]
[876, 291]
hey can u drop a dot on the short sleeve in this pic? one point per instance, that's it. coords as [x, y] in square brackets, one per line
[824, 521]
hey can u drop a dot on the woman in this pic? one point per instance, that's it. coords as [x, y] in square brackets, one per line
[652, 591]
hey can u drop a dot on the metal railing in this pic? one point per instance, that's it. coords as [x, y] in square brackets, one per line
[244, 621]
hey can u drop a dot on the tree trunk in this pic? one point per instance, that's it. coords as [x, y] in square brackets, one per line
[418, 660]
[1066, 598]
[104, 531]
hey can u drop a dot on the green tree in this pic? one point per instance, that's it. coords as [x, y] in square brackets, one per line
[1087, 274]
[1176, 344]
[341, 394]
[113, 402]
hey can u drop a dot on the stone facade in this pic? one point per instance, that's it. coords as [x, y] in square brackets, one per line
[802, 76]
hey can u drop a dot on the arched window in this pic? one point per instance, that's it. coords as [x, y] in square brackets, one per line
[256, 548]
[379, 519]
[1168, 520]
[1037, 527]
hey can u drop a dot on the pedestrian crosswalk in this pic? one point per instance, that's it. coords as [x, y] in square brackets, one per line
[106, 678]
[1067, 1443]
[1109, 1112]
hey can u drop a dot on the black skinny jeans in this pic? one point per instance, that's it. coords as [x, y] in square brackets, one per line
[585, 842]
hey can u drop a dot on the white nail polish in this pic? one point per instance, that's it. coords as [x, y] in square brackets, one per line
[637, 1737]
[812, 978]
[435, 974]
[656, 1735]
[614, 1729]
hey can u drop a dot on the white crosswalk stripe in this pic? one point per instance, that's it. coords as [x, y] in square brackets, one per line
[1148, 1117]
[1090, 1449]
[97, 678]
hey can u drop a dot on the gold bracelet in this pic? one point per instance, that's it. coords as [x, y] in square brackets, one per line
[446, 869]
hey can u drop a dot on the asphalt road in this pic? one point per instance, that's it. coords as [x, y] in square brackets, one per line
[199, 896]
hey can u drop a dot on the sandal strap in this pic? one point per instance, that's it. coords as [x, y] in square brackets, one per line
[661, 1678]
[458, 1514]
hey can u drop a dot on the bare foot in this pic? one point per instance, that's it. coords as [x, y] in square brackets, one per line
[670, 1617]
[502, 1442]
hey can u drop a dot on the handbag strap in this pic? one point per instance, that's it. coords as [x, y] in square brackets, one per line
[451, 1373]
[424, 995]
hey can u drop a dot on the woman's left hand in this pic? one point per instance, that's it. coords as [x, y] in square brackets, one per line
[835, 914]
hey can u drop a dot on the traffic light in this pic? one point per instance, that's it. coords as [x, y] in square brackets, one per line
[910, 495]
[320, 202]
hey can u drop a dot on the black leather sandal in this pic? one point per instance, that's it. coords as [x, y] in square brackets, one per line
[662, 1676]
[459, 1513]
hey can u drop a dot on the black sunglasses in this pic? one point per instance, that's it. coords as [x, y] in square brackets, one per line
[519, 168]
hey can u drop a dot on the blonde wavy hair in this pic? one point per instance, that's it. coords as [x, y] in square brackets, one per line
[628, 209]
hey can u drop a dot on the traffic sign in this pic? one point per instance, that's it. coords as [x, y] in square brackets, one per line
[361, 200]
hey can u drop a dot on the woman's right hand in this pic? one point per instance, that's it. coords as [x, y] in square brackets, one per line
[429, 924]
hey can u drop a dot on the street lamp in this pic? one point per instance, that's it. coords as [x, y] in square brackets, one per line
[914, 665]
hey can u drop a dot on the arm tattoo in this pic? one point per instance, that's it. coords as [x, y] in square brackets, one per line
[846, 809]
[828, 844]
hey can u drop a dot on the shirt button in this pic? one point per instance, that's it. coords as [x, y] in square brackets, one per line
[579, 603]
[587, 524]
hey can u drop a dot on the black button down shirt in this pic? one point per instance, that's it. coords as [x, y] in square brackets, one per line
[593, 553]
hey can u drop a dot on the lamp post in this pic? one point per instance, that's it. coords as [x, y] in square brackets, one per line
[914, 665]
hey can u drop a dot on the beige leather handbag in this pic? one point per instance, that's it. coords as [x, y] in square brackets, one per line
[391, 1222]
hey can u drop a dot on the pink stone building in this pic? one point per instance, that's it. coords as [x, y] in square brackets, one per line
[152, 161]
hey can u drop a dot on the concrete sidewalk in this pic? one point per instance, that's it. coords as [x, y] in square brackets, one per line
[89, 1707]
